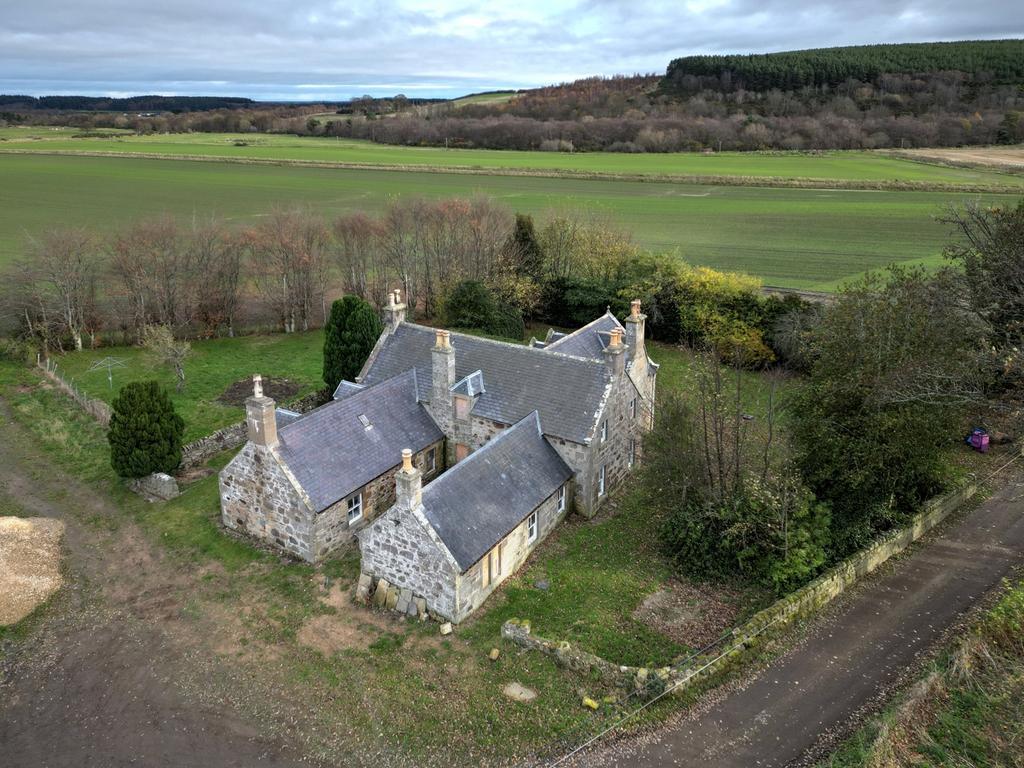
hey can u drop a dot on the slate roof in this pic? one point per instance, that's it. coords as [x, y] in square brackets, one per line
[285, 417]
[566, 391]
[346, 388]
[331, 452]
[588, 341]
[480, 500]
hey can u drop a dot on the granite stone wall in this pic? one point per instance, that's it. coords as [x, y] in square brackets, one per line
[258, 497]
[401, 549]
[515, 548]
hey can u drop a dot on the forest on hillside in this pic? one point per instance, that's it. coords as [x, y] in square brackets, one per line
[861, 97]
[981, 61]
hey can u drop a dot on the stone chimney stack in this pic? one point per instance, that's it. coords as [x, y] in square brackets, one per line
[408, 484]
[394, 312]
[261, 416]
[635, 329]
[442, 380]
[615, 352]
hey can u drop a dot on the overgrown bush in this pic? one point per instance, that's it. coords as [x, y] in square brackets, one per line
[145, 432]
[472, 305]
[728, 505]
[895, 362]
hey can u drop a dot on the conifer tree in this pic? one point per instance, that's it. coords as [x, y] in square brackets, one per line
[145, 432]
[351, 331]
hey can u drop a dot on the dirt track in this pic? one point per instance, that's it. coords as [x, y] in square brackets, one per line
[806, 698]
[96, 683]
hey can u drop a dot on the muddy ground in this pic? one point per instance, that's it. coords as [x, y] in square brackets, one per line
[98, 681]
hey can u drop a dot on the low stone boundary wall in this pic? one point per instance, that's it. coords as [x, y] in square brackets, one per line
[194, 453]
[95, 408]
[233, 435]
[683, 674]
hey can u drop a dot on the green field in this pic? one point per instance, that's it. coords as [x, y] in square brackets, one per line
[839, 166]
[801, 238]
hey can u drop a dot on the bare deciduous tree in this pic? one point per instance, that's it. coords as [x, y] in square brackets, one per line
[54, 287]
[289, 251]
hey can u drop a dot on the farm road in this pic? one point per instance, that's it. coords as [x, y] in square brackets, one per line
[805, 698]
[95, 685]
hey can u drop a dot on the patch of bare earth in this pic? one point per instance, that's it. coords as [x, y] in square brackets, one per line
[691, 614]
[998, 157]
[278, 388]
[29, 564]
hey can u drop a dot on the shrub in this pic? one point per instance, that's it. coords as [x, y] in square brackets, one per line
[145, 432]
[472, 305]
[352, 330]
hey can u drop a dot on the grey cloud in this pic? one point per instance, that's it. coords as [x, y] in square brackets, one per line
[270, 48]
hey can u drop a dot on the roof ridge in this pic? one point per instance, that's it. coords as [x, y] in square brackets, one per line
[608, 313]
[512, 344]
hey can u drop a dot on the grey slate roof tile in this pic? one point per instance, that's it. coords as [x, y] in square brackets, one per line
[480, 500]
[566, 391]
[588, 341]
[330, 451]
[346, 388]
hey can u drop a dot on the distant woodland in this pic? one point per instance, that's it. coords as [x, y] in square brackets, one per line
[861, 97]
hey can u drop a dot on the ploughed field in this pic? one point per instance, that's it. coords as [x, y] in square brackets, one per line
[801, 238]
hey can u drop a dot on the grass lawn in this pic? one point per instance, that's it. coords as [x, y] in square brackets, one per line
[801, 238]
[213, 366]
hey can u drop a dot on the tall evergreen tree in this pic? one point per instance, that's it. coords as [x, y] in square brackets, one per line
[145, 432]
[525, 249]
[351, 331]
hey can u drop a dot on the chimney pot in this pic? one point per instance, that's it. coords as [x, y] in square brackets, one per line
[257, 385]
[634, 308]
[443, 339]
[616, 338]
[407, 460]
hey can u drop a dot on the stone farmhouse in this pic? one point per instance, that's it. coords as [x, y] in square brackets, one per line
[449, 458]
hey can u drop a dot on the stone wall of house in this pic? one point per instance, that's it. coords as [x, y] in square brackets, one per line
[401, 548]
[331, 529]
[577, 456]
[515, 548]
[258, 497]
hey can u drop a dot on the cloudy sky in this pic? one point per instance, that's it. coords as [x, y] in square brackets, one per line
[319, 49]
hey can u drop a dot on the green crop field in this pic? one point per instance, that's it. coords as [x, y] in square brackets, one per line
[802, 238]
[862, 167]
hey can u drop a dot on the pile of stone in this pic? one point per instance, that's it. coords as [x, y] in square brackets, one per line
[387, 596]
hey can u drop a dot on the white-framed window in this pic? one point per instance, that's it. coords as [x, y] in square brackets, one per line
[600, 481]
[632, 408]
[561, 499]
[604, 430]
[632, 451]
[531, 528]
[431, 460]
[355, 508]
